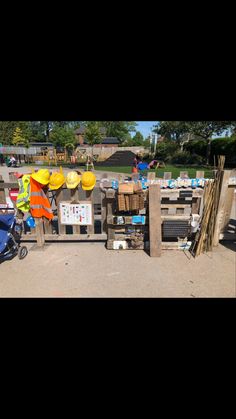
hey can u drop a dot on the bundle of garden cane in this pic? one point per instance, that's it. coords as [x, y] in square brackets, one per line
[204, 238]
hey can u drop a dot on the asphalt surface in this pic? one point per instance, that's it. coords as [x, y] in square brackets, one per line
[90, 270]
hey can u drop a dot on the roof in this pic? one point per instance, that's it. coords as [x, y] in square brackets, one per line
[111, 140]
[107, 140]
[41, 144]
[81, 130]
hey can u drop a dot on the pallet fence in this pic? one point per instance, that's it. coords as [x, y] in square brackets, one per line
[161, 205]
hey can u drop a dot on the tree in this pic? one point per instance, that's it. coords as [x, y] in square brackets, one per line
[62, 136]
[7, 129]
[137, 140]
[18, 138]
[119, 129]
[92, 133]
[184, 131]
[172, 130]
[206, 129]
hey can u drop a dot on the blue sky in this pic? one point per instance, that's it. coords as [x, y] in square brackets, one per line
[145, 127]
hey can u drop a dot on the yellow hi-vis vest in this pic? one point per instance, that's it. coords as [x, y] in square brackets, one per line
[23, 198]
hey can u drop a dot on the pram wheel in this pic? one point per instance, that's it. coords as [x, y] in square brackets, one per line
[22, 252]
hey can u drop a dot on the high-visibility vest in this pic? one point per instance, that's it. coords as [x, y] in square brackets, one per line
[39, 203]
[23, 197]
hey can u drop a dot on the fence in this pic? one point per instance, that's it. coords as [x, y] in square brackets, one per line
[165, 206]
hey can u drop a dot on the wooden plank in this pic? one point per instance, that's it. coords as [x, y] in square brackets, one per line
[169, 205]
[167, 175]
[2, 192]
[75, 197]
[155, 220]
[12, 177]
[7, 185]
[103, 212]
[198, 192]
[66, 237]
[47, 226]
[89, 198]
[196, 202]
[151, 176]
[175, 217]
[179, 210]
[200, 174]
[110, 230]
[39, 232]
[221, 206]
[229, 198]
[183, 175]
[59, 198]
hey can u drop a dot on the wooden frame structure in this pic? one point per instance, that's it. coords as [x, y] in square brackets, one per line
[163, 205]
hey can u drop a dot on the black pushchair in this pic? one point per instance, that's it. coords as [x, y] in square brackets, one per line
[10, 234]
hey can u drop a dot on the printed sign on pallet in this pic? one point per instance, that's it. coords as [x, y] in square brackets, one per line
[76, 214]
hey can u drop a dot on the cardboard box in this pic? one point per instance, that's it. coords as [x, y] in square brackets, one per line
[126, 188]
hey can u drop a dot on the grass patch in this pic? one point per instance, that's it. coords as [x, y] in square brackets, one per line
[159, 172]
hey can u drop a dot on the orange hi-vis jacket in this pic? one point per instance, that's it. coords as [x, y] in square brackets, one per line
[39, 203]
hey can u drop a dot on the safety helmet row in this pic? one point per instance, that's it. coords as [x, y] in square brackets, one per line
[72, 180]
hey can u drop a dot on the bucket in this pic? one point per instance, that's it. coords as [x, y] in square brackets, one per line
[194, 226]
[195, 223]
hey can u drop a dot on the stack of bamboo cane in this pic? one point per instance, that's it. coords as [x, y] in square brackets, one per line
[204, 238]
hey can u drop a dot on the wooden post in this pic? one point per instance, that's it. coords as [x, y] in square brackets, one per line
[183, 175]
[89, 198]
[227, 209]
[39, 232]
[110, 196]
[2, 192]
[200, 174]
[75, 197]
[221, 207]
[151, 176]
[103, 213]
[59, 198]
[167, 175]
[155, 220]
[196, 202]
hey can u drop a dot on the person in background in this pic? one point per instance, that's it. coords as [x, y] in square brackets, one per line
[153, 164]
[136, 160]
[13, 161]
[89, 163]
[1, 159]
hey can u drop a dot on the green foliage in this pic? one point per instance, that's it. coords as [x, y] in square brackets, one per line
[62, 136]
[196, 147]
[204, 129]
[165, 150]
[224, 146]
[92, 133]
[219, 146]
[7, 129]
[18, 138]
[185, 157]
[119, 129]
[137, 140]
[172, 130]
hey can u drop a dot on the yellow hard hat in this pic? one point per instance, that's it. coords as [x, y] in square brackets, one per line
[72, 180]
[57, 179]
[42, 176]
[88, 181]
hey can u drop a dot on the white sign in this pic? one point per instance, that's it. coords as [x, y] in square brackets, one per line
[76, 214]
